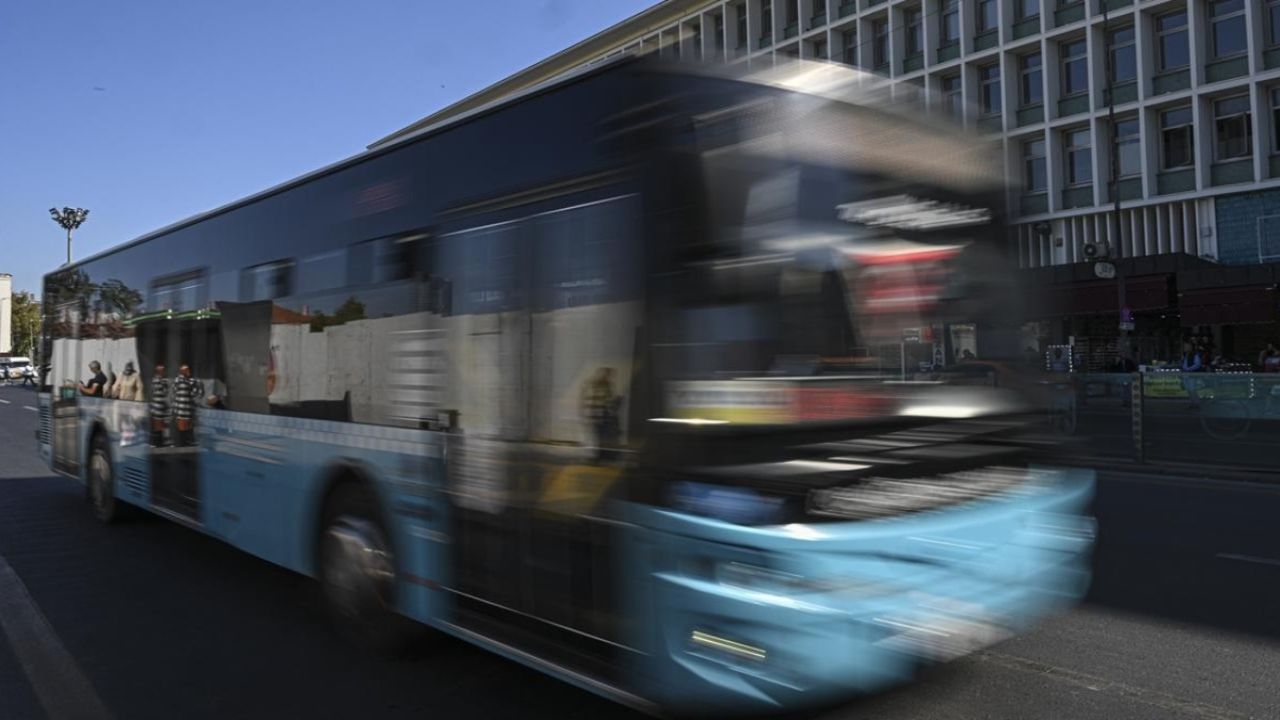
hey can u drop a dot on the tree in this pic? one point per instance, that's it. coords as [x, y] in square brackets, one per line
[25, 319]
[349, 311]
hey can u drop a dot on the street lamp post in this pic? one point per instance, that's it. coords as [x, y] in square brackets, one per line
[70, 219]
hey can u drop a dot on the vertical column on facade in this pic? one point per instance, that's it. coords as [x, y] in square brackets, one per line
[968, 27]
[1051, 64]
[1008, 84]
[1162, 229]
[1136, 232]
[896, 45]
[1055, 168]
[931, 15]
[1260, 112]
[1177, 228]
[1197, 41]
[1101, 156]
[1202, 132]
[1255, 31]
[1148, 151]
[1190, 228]
[754, 29]
[731, 39]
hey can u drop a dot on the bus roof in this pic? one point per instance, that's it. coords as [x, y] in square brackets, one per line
[355, 159]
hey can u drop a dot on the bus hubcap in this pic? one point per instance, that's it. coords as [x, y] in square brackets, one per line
[99, 480]
[358, 570]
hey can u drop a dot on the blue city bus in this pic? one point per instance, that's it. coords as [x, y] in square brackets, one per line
[652, 378]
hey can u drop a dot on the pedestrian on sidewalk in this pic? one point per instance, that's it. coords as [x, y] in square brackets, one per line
[1192, 363]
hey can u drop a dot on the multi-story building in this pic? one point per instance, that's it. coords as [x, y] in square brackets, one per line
[1194, 130]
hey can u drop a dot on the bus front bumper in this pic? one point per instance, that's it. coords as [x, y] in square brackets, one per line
[752, 619]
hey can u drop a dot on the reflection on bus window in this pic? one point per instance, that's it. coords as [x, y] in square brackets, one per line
[267, 281]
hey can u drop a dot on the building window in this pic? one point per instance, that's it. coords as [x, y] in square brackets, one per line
[1273, 22]
[1128, 147]
[1275, 120]
[988, 15]
[1034, 168]
[766, 20]
[1177, 139]
[951, 94]
[849, 40]
[1075, 67]
[1124, 61]
[793, 20]
[880, 42]
[1228, 31]
[820, 49]
[1026, 9]
[1232, 128]
[913, 19]
[717, 22]
[1079, 157]
[989, 79]
[741, 15]
[950, 25]
[1171, 41]
[1032, 89]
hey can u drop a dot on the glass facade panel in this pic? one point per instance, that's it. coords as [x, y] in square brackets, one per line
[1128, 147]
[1075, 68]
[989, 79]
[1177, 140]
[1232, 128]
[880, 42]
[1171, 41]
[1227, 32]
[1032, 89]
[1034, 166]
[1078, 155]
[1124, 60]
[913, 18]
[988, 15]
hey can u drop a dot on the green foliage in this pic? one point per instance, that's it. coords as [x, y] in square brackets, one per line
[25, 319]
[349, 311]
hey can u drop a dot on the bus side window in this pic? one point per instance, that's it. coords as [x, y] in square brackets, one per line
[267, 281]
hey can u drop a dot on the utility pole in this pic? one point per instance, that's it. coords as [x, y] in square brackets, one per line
[70, 219]
[1114, 147]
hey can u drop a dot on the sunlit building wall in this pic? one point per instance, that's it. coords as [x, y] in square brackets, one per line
[1196, 85]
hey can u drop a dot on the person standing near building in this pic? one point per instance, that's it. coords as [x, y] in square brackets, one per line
[159, 408]
[129, 386]
[188, 392]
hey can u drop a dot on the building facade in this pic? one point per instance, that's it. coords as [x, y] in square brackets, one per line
[1194, 130]
[6, 313]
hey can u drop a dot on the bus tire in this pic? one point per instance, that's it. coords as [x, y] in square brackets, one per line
[357, 571]
[100, 483]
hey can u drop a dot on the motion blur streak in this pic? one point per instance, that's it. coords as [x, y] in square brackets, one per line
[713, 396]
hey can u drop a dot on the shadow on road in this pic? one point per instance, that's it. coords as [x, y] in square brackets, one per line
[1206, 553]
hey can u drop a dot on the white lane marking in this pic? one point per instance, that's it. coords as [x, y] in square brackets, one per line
[2, 400]
[1250, 559]
[1170, 704]
[59, 684]
[32, 409]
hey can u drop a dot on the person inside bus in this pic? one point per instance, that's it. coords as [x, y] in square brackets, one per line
[129, 386]
[188, 392]
[159, 407]
[93, 387]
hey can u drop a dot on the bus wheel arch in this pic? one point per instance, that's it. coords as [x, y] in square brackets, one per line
[100, 476]
[354, 558]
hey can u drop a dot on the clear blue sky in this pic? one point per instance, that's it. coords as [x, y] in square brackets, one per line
[148, 111]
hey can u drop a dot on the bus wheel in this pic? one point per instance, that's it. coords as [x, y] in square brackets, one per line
[357, 571]
[101, 484]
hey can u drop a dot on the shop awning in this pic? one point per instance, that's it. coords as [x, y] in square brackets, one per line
[1228, 305]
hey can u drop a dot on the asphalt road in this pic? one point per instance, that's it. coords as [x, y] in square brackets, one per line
[158, 621]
